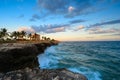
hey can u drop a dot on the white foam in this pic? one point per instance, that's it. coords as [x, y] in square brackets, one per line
[49, 60]
[46, 60]
[91, 75]
[50, 50]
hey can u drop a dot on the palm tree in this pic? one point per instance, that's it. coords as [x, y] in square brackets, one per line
[3, 32]
[45, 38]
[0, 34]
[42, 37]
[35, 36]
[29, 35]
[23, 34]
[52, 39]
[48, 39]
[15, 34]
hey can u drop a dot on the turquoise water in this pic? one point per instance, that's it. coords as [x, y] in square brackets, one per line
[96, 60]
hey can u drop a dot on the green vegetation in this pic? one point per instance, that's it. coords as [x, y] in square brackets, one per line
[15, 36]
[3, 33]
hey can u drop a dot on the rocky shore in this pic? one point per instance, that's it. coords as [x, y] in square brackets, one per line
[19, 61]
[41, 74]
[18, 55]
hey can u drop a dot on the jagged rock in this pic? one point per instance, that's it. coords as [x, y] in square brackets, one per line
[18, 55]
[51, 74]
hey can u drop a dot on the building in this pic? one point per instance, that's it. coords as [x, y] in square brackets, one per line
[35, 37]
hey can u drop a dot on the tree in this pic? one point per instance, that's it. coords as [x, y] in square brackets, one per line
[42, 37]
[53, 40]
[3, 32]
[22, 34]
[35, 36]
[29, 35]
[48, 39]
[45, 38]
[15, 34]
[0, 34]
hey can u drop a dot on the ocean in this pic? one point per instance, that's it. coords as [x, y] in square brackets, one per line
[97, 60]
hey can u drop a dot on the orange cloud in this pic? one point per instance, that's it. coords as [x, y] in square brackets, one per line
[26, 29]
[99, 30]
[59, 29]
[79, 28]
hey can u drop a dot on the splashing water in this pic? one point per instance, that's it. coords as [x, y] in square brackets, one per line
[92, 59]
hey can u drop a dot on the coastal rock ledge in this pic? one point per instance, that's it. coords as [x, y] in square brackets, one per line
[15, 56]
[41, 74]
[19, 61]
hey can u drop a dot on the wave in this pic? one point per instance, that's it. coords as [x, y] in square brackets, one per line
[52, 59]
[91, 75]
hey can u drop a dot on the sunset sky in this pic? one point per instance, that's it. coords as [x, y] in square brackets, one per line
[65, 20]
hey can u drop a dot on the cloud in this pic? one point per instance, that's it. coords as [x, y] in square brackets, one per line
[89, 37]
[35, 17]
[79, 28]
[21, 16]
[118, 34]
[114, 34]
[50, 28]
[99, 30]
[32, 19]
[54, 30]
[26, 29]
[67, 8]
[76, 21]
[106, 23]
[70, 8]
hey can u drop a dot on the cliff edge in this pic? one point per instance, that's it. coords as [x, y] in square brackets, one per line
[19, 61]
[18, 55]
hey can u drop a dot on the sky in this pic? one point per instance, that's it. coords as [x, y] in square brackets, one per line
[64, 20]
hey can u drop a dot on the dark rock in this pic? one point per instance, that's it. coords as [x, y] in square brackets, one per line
[18, 56]
[51, 74]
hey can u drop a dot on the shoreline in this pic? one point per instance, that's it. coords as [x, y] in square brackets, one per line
[41, 74]
[15, 57]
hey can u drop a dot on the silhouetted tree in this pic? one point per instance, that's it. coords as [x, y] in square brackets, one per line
[52, 40]
[29, 35]
[42, 37]
[35, 36]
[48, 38]
[15, 34]
[3, 32]
[22, 34]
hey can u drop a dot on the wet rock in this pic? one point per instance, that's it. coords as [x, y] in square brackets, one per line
[51, 74]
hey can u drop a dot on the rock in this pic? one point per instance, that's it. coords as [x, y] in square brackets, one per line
[51, 74]
[15, 56]
[18, 62]
[56, 78]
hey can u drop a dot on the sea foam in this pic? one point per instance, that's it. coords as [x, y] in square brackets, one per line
[48, 60]
[91, 75]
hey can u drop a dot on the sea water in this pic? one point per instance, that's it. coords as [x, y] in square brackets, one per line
[96, 60]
